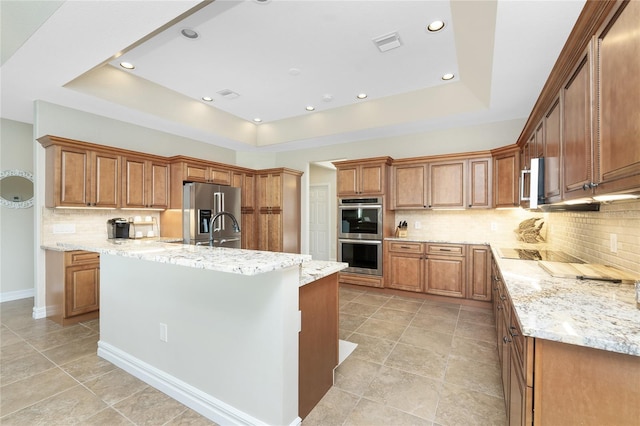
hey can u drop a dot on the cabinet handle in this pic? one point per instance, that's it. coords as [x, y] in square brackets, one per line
[589, 185]
[505, 340]
[512, 331]
[470, 205]
[503, 297]
[444, 249]
[405, 247]
[499, 307]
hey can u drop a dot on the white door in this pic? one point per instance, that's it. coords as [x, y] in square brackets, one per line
[319, 236]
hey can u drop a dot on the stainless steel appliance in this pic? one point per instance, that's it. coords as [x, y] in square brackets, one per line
[203, 202]
[117, 227]
[363, 256]
[360, 218]
[532, 184]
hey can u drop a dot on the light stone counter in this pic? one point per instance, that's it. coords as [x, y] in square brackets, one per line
[588, 313]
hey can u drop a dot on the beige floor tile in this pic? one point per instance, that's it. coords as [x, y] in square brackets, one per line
[462, 406]
[475, 349]
[115, 386]
[348, 294]
[344, 334]
[149, 407]
[69, 407]
[471, 330]
[23, 393]
[38, 329]
[372, 349]
[439, 310]
[404, 304]
[88, 367]
[109, 417]
[351, 322]
[368, 413]
[405, 391]
[190, 418]
[372, 299]
[383, 329]
[435, 323]
[484, 316]
[60, 337]
[16, 351]
[21, 368]
[333, 409]
[474, 373]
[354, 375]
[73, 350]
[360, 309]
[93, 325]
[422, 361]
[393, 315]
[428, 339]
[8, 337]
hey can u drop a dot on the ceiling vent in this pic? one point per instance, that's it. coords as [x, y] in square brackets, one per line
[387, 42]
[228, 94]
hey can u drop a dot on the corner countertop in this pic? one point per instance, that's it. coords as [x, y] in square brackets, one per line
[588, 313]
[237, 261]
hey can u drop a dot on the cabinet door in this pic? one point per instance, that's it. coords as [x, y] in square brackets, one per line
[133, 183]
[105, 188]
[552, 140]
[479, 189]
[445, 276]
[82, 289]
[446, 184]
[196, 173]
[72, 186]
[618, 94]
[520, 395]
[158, 186]
[270, 231]
[269, 191]
[505, 172]
[409, 190]
[479, 266]
[404, 268]
[220, 176]
[371, 179]
[347, 181]
[577, 142]
[249, 231]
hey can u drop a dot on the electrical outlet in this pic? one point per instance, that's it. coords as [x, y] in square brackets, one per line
[494, 226]
[163, 332]
[418, 225]
[613, 243]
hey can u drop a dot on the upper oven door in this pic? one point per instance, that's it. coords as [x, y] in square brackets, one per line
[360, 221]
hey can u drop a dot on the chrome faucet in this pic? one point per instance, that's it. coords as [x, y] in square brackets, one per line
[236, 226]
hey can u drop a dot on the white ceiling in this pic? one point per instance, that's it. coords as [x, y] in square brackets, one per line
[67, 53]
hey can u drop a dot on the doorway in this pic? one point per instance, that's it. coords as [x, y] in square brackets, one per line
[319, 222]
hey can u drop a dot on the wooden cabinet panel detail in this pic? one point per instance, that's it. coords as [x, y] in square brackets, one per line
[362, 177]
[480, 183]
[446, 184]
[409, 186]
[479, 267]
[506, 169]
[552, 141]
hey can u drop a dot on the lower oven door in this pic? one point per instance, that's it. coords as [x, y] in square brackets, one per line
[363, 256]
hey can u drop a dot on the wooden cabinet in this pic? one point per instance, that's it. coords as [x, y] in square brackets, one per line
[445, 270]
[577, 138]
[79, 176]
[552, 141]
[278, 200]
[506, 170]
[409, 187]
[362, 177]
[145, 183]
[479, 269]
[618, 113]
[479, 185]
[73, 286]
[447, 184]
[196, 172]
[246, 182]
[405, 266]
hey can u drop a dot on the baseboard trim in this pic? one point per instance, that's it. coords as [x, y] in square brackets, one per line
[8, 296]
[203, 403]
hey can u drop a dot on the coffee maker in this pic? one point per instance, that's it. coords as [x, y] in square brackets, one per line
[117, 228]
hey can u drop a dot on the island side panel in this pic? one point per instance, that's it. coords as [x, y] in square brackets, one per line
[232, 337]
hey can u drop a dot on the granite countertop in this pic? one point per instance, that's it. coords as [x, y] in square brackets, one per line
[432, 240]
[238, 261]
[588, 313]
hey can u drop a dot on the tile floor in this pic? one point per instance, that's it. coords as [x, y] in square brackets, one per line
[417, 363]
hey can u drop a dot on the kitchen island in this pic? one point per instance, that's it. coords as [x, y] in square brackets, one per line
[217, 329]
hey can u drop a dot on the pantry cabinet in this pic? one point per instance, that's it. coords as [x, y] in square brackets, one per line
[246, 183]
[72, 286]
[362, 177]
[145, 182]
[79, 176]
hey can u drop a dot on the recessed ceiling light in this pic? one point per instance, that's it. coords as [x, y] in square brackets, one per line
[448, 76]
[310, 108]
[258, 120]
[189, 33]
[435, 26]
[207, 98]
[361, 95]
[127, 65]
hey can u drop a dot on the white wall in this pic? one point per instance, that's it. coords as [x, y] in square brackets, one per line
[16, 225]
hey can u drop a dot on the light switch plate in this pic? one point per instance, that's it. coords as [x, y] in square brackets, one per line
[613, 243]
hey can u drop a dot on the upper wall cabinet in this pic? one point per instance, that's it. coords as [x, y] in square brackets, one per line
[618, 99]
[145, 183]
[79, 176]
[362, 177]
[506, 167]
[552, 141]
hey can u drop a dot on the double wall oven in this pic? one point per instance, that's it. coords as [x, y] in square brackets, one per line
[360, 234]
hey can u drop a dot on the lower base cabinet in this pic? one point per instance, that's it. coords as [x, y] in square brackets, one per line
[361, 279]
[73, 286]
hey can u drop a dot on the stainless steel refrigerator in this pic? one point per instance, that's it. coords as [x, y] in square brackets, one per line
[202, 202]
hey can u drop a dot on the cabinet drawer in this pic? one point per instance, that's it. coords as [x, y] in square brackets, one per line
[82, 257]
[405, 247]
[446, 249]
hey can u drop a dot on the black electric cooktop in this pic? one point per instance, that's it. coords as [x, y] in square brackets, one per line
[535, 254]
